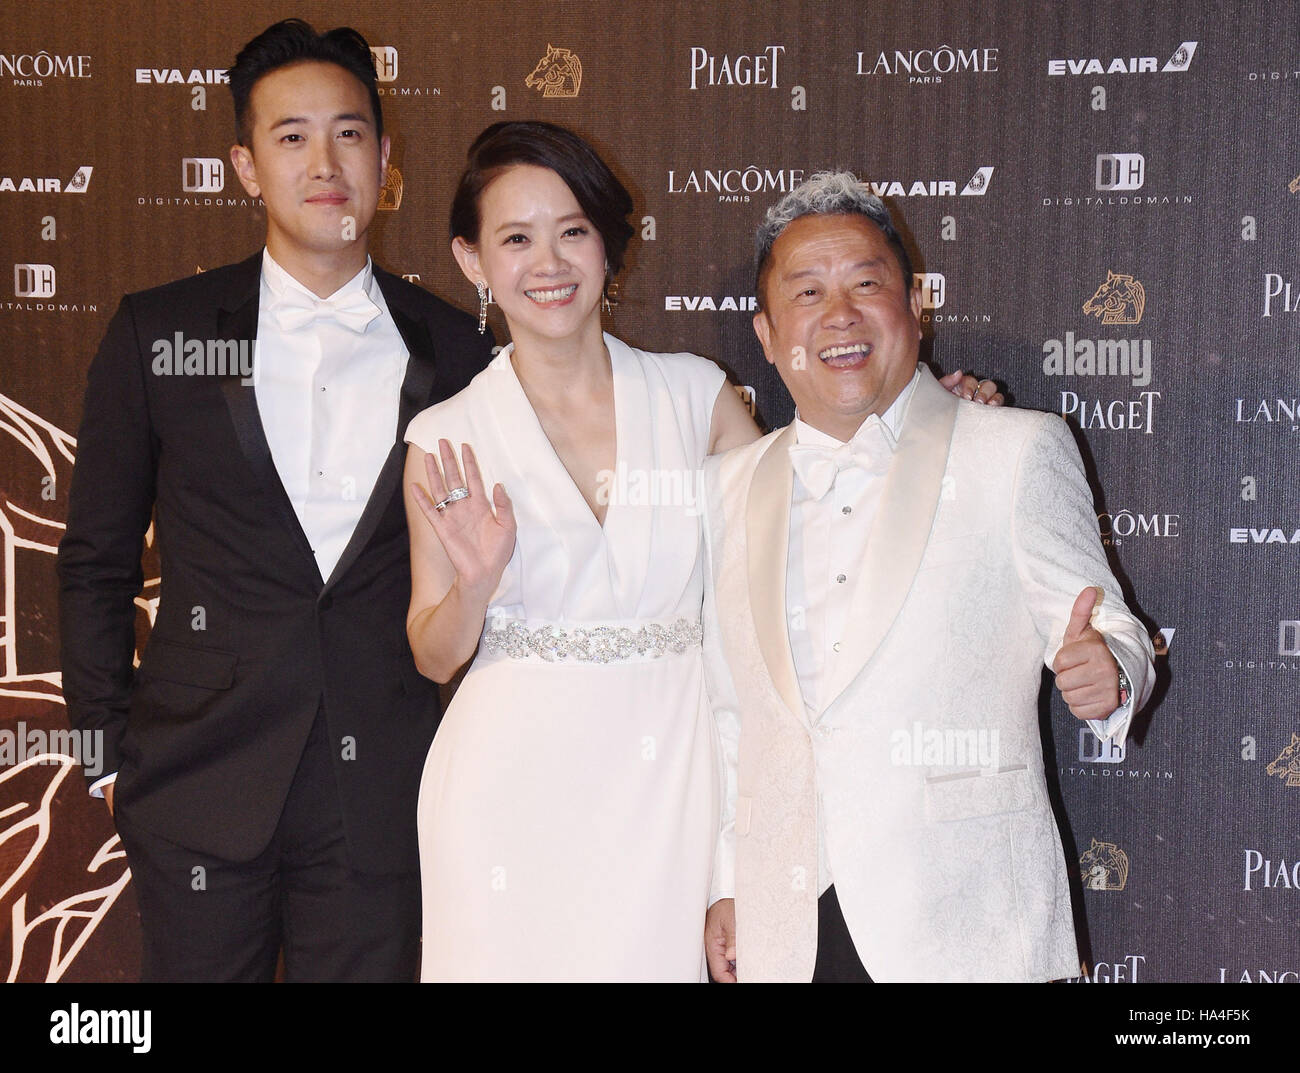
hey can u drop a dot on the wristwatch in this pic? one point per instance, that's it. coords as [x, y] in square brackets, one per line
[1125, 686]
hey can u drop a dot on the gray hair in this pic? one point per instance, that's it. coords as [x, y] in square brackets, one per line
[825, 193]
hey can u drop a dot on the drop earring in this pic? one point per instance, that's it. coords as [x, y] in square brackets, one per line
[484, 297]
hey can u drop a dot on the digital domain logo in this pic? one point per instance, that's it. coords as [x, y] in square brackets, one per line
[33, 281]
[1125, 65]
[387, 67]
[1263, 659]
[1103, 866]
[78, 184]
[1117, 179]
[933, 288]
[1105, 759]
[758, 69]
[934, 295]
[385, 57]
[203, 175]
[1120, 171]
[557, 74]
[200, 175]
[928, 66]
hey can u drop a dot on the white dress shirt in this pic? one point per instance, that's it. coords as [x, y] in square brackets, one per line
[828, 534]
[328, 396]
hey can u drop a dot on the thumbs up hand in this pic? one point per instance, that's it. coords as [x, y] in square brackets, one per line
[1086, 672]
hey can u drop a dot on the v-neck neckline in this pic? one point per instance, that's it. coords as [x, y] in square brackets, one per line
[507, 355]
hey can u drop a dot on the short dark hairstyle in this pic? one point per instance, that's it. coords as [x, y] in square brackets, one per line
[603, 199]
[294, 41]
[827, 193]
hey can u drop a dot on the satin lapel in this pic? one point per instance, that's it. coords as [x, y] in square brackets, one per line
[900, 530]
[767, 535]
[236, 321]
[417, 386]
[628, 529]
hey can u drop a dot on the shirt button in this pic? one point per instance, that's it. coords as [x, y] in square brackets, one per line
[836, 646]
[846, 510]
[841, 578]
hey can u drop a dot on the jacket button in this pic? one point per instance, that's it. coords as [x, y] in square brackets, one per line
[326, 602]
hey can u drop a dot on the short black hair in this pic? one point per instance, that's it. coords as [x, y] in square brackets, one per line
[603, 199]
[294, 41]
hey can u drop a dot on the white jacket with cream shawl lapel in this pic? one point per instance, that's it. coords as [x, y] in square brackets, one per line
[946, 867]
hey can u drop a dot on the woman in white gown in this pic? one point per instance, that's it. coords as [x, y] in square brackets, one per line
[569, 805]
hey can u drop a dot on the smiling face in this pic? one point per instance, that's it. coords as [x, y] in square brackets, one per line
[542, 257]
[317, 163]
[839, 321]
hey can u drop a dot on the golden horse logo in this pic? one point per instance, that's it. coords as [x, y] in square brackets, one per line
[1104, 866]
[1120, 300]
[557, 74]
[390, 195]
[1287, 764]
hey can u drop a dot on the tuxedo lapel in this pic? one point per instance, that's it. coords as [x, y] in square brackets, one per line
[767, 533]
[417, 388]
[237, 320]
[900, 530]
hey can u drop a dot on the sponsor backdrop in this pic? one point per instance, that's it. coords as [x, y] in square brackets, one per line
[1104, 203]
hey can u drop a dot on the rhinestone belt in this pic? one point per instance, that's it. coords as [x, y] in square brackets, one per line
[594, 644]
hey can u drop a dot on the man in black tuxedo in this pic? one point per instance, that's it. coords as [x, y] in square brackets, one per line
[266, 755]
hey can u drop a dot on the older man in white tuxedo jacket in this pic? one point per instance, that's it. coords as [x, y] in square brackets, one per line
[887, 577]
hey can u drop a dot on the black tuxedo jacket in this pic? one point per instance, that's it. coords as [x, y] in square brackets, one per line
[250, 642]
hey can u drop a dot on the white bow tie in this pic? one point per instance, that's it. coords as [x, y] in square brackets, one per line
[295, 309]
[871, 449]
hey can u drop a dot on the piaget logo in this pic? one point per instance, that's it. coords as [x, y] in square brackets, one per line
[1104, 866]
[757, 69]
[557, 74]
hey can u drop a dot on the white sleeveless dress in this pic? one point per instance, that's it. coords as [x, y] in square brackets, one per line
[569, 804]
